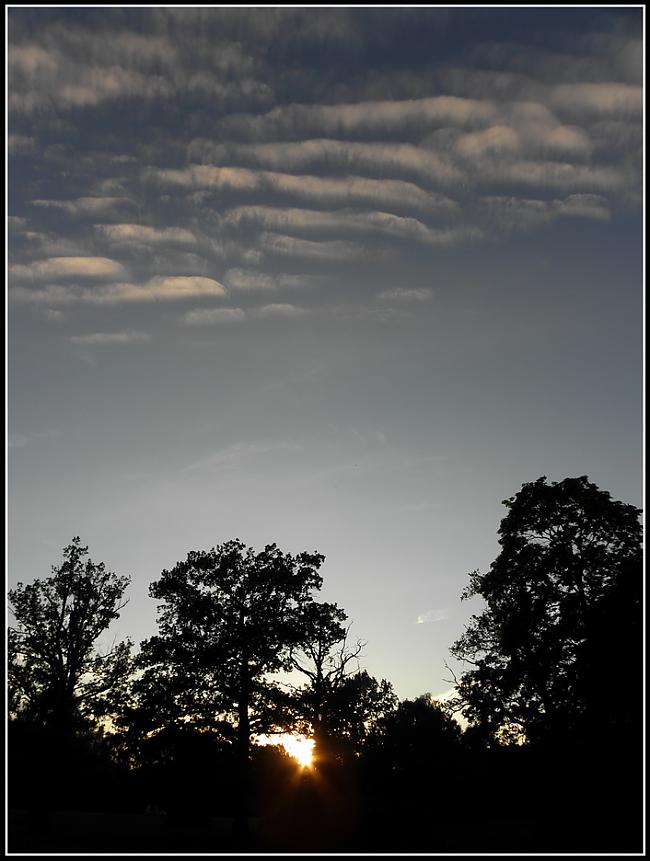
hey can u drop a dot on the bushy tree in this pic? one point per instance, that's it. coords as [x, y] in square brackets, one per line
[57, 676]
[228, 619]
[563, 595]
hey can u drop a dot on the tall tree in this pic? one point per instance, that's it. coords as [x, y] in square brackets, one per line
[228, 618]
[568, 577]
[57, 676]
[339, 702]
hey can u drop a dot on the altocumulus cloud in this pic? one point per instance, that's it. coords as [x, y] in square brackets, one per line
[138, 233]
[213, 316]
[406, 294]
[107, 339]
[67, 267]
[159, 288]
[259, 159]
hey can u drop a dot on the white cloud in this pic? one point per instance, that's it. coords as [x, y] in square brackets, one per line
[383, 158]
[278, 310]
[515, 213]
[554, 175]
[92, 207]
[67, 267]
[371, 117]
[349, 190]
[102, 339]
[159, 288]
[406, 294]
[213, 316]
[138, 233]
[21, 144]
[600, 99]
[290, 246]
[318, 221]
[247, 279]
[496, 140]
[431, 616]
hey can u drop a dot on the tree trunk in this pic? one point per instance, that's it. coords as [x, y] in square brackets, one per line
[240, 820]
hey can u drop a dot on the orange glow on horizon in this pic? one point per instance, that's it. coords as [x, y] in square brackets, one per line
[299, 747]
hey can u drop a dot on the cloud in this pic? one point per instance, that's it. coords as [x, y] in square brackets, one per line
[21, 144]
[318, 221]
[51, 245]
[213, 316]
[494, 141]
[17, 223]
[554, 175]
[137, 233]
[278, 310]
[235, 454]
[101, 339]
[599, 99]
[290, 246]
[431, 616]
[398, 159]
[85, 67]
[67, 267]
[91, 207]
[371, 117]
[405, 294]
[159, 288]
[349, 190]
[515, 213]
[247, 279]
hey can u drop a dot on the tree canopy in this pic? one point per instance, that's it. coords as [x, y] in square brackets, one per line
[227, 621]
[569, 568]
[56, 674]
[340, 702]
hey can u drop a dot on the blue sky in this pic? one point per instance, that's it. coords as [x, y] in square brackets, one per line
[339, 279]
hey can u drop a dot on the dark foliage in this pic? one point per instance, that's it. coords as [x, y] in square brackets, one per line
[56, 675]
[563, 608]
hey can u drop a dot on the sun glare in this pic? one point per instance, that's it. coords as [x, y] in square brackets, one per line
[299, 747]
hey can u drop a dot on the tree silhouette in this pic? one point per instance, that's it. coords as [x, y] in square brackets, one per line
[57, 677]
[339, 702]
[567, 577]
[228, 619]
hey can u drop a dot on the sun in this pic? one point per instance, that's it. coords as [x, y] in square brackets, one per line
[300, 748]
[297, 746]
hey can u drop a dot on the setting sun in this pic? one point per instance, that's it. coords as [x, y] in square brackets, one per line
[299, 747]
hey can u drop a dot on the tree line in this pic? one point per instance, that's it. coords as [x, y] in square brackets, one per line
[550, 695]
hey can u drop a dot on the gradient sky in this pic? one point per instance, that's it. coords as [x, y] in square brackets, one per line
[339, 279]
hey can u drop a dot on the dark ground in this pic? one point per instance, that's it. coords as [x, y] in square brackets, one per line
[130, 833]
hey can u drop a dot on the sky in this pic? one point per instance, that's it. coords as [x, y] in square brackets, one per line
[342, 279]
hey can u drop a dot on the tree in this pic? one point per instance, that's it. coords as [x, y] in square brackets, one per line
[340, 701]
[57, 677]
[417, 737]
[228, 618]
[568, 577]
[412, 769]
